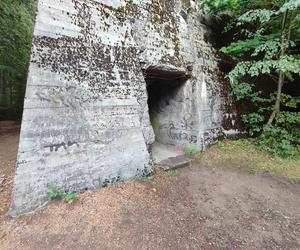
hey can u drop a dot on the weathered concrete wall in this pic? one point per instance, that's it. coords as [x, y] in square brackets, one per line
[193, 116]
[85, 121]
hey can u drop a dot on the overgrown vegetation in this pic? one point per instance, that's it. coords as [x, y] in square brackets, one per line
[16, 27]
[265, 45]
[57, 193]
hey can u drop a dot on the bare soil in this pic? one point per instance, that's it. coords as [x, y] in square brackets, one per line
[9, 138]
[204, 206]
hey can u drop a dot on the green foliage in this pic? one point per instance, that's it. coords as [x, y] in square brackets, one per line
[16, 27]
[217, 6]
[265, 44]
[70, 197]
[279, 142]
[57, 193]
[253, 121]
[169, 172]
[190, 151]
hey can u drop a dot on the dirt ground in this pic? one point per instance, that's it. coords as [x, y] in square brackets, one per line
[9, 138]
[204, 206]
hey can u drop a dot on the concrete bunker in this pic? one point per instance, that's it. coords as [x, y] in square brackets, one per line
[85, 121]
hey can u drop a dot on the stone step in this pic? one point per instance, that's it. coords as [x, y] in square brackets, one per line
[174, 162]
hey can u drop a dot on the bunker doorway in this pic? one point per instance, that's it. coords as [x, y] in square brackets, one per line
[163, 84]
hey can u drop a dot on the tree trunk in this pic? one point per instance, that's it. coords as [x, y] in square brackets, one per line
[278, 99]
[281, 79]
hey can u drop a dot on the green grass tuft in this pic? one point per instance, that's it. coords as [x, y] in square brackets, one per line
[190, 151]
[169, 172]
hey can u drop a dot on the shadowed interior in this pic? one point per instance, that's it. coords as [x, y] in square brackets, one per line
[162, 85]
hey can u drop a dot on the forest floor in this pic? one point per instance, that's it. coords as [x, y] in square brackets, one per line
[227, 199]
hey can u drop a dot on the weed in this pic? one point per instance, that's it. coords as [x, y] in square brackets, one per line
[57, 193]
[70, 197]
[169, 172]
[190, 151]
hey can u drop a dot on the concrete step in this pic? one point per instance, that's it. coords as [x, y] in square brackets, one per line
[162, 152]
[174, 162]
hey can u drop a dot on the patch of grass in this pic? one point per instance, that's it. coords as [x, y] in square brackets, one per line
[70, 197]
[224, 147]
[169, 172]
[245, 153]
[57, 193]
[190, 151]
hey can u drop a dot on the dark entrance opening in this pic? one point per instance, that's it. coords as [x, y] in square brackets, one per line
[162, 85]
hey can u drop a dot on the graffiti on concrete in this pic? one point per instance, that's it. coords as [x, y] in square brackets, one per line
[181, 130]
[56, 147]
